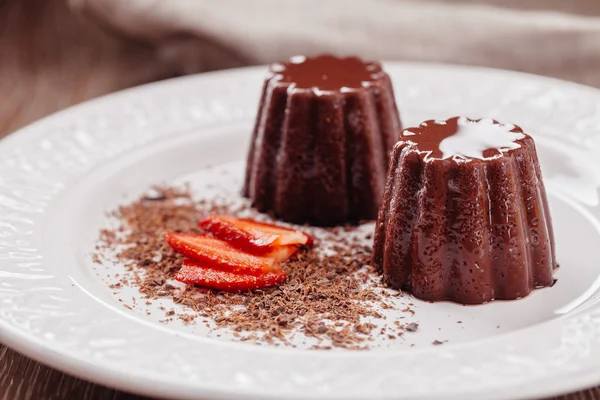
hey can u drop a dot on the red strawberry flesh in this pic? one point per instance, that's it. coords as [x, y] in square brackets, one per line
[219, 254]
[198, 273]
[254, 237]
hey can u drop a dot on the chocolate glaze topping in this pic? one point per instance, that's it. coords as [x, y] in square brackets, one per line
[327, 72]
[464, 138]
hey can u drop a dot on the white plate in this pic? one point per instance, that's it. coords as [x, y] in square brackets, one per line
[59, 176]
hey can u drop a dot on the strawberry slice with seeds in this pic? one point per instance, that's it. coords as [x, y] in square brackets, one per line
[254, 237]
[219, 254]
[198, 273]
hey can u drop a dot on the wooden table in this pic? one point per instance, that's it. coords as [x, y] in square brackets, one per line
[49, 60]
[83, 62]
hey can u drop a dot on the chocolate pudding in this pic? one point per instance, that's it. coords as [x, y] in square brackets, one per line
[464, 215]
[321, 142]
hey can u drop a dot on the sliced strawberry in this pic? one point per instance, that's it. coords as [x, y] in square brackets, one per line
[193, 272]
[282, 253]
[219, 254]
[254, 237]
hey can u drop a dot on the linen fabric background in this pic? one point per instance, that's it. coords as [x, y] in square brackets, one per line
[550, 37]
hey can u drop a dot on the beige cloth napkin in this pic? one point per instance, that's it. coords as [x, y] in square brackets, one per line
[550, 37]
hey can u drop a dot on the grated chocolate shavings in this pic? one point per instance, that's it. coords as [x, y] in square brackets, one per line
[329, 296]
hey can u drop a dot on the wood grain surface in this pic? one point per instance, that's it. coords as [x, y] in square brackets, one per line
[51, 59]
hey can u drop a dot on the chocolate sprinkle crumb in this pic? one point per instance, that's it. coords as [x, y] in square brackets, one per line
[412, 327]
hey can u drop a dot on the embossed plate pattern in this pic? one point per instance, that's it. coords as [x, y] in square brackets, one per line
[48, 314]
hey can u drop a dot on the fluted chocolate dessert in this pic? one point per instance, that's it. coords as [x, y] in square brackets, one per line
[464, 216]
[321, 143]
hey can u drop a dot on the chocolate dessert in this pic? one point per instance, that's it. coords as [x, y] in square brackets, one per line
[464, 216]
[321, 143]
